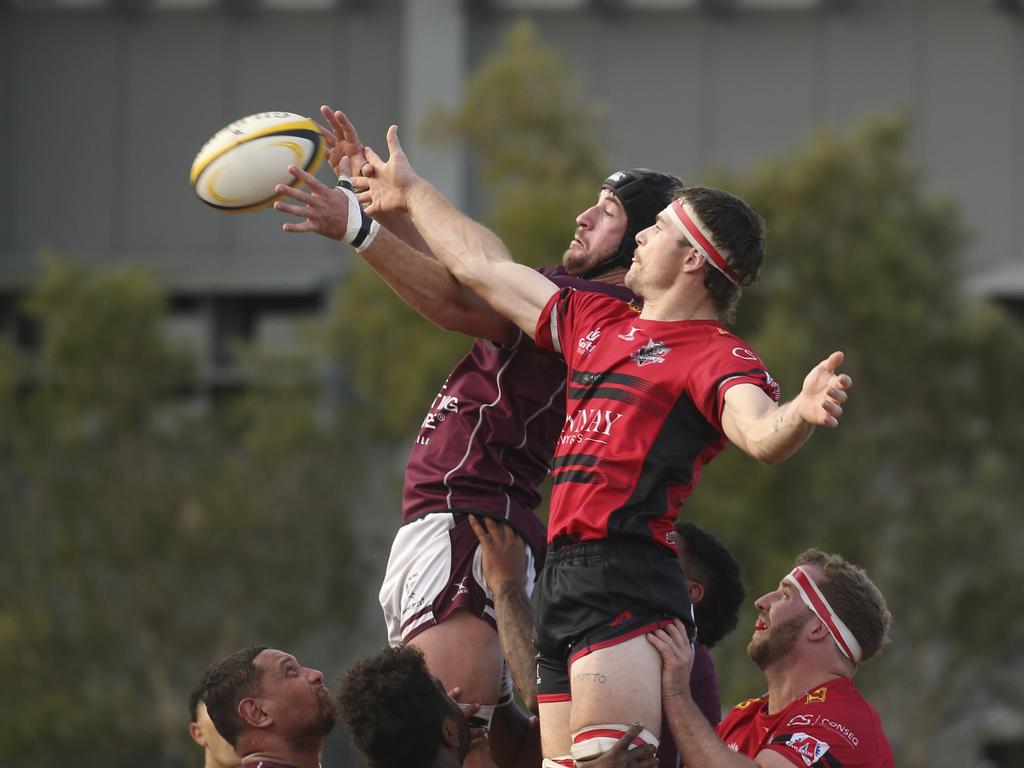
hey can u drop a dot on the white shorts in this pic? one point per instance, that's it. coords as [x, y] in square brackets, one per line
[434, 569]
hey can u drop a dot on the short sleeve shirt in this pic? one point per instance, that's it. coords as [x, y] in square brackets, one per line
[831, 726]
[486, 442]
[643, 413]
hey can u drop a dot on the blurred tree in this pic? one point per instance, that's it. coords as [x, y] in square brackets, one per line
[534, 139]
[141, 541]
[921, 484]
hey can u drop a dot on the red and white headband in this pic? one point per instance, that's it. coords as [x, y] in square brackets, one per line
[693, 229]
[813, 599]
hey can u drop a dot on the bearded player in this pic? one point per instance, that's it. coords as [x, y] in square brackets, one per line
[653, 395]
[486, 442]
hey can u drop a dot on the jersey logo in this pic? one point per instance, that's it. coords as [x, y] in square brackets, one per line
[744, 354]
[462, 588]
[631, 336]
[623, 618]
[651, 352]
[588, 342]
[817, 695]
[810, 749]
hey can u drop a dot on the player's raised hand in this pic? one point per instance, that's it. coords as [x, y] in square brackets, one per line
[676, 653]
[387, 184]
[342, 139]
[824, 392]
[621, 756]
[503, 552]
[324, 209]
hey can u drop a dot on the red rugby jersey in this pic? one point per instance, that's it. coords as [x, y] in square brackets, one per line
[486, 442]
[643, 415]
[831, 726]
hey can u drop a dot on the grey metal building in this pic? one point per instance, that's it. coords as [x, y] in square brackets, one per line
[107, 102]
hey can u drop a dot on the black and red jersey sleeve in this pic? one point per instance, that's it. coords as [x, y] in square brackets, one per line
[728, 361]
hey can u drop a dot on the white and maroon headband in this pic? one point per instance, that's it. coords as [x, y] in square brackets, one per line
[693, 229]
[816, 601]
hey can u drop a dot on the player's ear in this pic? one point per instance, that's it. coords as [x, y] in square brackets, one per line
[695, 590]
[817, 631]
[450, 732]
[253, 714]
[197, 734]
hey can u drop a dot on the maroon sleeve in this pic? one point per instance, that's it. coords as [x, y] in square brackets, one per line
[704, 684]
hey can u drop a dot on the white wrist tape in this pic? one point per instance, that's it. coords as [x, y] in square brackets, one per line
[361, 229]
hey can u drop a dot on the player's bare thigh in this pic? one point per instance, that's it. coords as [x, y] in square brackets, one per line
[555, 734]
[463, 651]
[619, 684]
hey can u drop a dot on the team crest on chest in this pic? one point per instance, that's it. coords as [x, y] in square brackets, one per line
[651, 352]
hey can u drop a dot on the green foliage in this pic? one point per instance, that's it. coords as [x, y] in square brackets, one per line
[524, 119]
[919, 483]
[141, 539]
[526, 124]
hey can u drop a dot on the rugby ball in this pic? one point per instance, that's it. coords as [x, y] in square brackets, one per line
[238, 168]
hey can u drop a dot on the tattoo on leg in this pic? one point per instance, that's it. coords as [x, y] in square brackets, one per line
[589, 677]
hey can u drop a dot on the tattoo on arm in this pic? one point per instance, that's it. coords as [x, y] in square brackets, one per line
[515, 631]
[780, 417]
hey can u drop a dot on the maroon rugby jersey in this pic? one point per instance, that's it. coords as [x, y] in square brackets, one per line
[832, 726]
[643, 414]
[486, 443]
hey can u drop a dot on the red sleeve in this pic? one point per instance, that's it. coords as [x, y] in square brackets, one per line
[727, 362]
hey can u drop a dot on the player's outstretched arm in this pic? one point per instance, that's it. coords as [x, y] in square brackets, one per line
[418, 278]
[471, 252]
[343, 141]
[771, 433]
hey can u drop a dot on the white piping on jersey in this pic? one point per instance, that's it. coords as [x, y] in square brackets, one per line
[526, 424]
[479, 422]
[554, 329]
[723, 382]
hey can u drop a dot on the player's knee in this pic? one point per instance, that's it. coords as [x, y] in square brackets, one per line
[594, 740]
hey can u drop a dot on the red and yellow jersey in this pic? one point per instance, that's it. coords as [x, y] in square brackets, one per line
[832, 726]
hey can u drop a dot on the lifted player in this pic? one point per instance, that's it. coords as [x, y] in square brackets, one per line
[486, 443]
[653, 395]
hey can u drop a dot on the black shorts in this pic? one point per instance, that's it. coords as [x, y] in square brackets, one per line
[598, 594]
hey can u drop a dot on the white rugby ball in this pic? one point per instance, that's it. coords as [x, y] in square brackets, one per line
[238, 168]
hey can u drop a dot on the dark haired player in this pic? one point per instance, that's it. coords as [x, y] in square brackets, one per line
[716, 592]
[399, 716]
[653, 394]
[486, 443]
[273, 711]
[217, 753]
